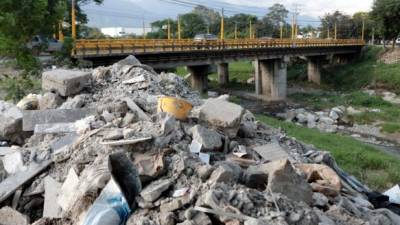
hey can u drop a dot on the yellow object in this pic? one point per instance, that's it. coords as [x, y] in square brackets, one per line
[177, 107]
[73, 20]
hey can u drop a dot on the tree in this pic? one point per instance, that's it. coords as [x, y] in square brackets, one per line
[276, 17]
[160, 29]
[386, 14]
[192, 24]
[344, 26]
[211, 17]
[242, 22]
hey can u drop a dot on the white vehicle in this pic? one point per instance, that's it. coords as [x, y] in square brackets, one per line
[51, 44]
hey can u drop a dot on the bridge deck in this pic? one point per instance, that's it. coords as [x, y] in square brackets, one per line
[109, 47]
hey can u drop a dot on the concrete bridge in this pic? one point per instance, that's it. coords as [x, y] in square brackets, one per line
[270, 57]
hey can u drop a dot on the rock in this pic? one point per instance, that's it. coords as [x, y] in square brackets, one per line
[320, 200]
[212, 94]
[51, 208]
[311, 120]
[155, 189]
[50, 101]
[352, 111]
[68, 190]
[334, 115]
[201, 218]
[282, 178]
[13, 163]
[9, 216]
[326, 120]
[223, 115]
[204, 171]
[209, 139]
[167, 218]
[79, 101]
[301, 118]
[11, 123]
[271, 152]
[29, 102]
[31, 118]
[226, 172]
[149, 166]
[65, 82]
[321, 174]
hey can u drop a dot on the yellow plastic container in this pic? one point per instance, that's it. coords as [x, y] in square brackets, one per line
[176, 107]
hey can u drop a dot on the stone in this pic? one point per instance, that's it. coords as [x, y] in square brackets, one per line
[175, 204]
[209, 139]
[201, 218]
[223, 115]
[271, 152]
[226, 172]
[13, 163]
[10, 123]
[326, 120]
[135, 108]
[67, 191]
[204, 171]
[76, 102]
[29, 102]
[167, 218]
[65, 82]
[320, 200]
[282, 178]
[9, 216]
[50, 101]
[301, 118]
[149, 166]
[31, 118]
[155, 189]
[334, 115]
[51, 208]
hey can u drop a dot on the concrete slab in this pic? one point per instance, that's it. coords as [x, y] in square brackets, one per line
[68, 190]
[51, 208]
[65, 82]
[31, 118]
[9, 216]
[271, 152]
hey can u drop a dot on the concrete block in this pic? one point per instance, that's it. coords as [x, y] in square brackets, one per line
[10, 122]
[154, 190]
[226, 172]
[9, 216]
[209, 139]
[223, 115]
[271, 152]
[31, 118]
[65, 82]
[68, 190]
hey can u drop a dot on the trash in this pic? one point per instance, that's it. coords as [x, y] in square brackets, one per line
[394, 194]
[205, 158]
[177, 107]
[180, 192]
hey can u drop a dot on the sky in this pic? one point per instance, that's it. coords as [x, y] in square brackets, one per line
[131, 13]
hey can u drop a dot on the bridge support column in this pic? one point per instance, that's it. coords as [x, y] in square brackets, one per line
[271, 78]
[314, 69]
[223, 73]
[198, 77]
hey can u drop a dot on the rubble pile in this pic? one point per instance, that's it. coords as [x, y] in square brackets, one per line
[125, 145]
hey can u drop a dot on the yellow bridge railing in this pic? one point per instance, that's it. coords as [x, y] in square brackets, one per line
[101, 47]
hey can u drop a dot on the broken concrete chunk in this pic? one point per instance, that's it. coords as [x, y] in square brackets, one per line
[223, 115]
[31, 118]
[226, 172]
[51, 191]
[135, 108]
[271, 152]
[10, 123]
[9, 216]
[149, 166]
[65, 82]
[14, 163]
[282, 178]
[54, 128]
[68, 189]
[29, 102]
[154, 190]
[50, 101]
[209, 139]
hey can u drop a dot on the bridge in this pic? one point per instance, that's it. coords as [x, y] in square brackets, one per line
[270, 57]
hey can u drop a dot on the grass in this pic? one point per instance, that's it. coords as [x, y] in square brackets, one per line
[372, 167]
[365, 71]
[391, 128]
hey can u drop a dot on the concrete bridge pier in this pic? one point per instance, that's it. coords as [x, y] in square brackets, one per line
[198, 77]
[314, 65]
[223, 73]
[271, 78]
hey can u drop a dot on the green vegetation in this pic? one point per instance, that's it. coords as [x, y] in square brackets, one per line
[19, 86]
[374, 168]
[391, 128]
[365, 71]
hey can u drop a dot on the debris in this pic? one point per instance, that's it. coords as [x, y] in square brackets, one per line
[135, 108]
[271, 152]
[209, 139]
[50, 101]
[9, 216]
[29, 102]
[51, 208]
[195, 146]
[54, 128]
[67, 191]
[222, 213]
[10, 123]
[134, 80]
[31, 118]
[180, 192]
[240, 152]
[155, 189]
[13, 163]
[126, 142]
[176, 107]
[222, 115]
[65, 82]
[12, 183]
[205, 158]
[394, 194]
[226, 172]
[7, 150]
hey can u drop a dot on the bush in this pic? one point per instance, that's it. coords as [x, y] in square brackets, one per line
[17, 87]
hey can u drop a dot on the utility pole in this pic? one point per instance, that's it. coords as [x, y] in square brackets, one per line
[222, 24]
[179, 27]
[328, 32]
[250, 30]
[236, 31]
[363, 28]
[144, 28]
[73, 20]
[296, 10]
[281, 33]
[169, 29]
[60, 32]
[335, 31]
[293, 26]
